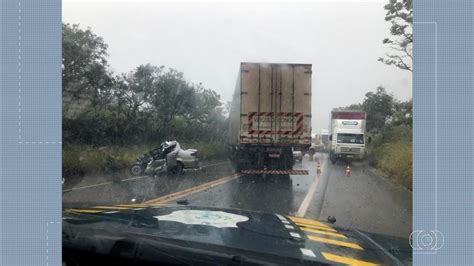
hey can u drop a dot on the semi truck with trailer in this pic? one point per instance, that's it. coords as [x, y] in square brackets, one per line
[270, 116]
[322, 144]
[347, 135]
[324, 139]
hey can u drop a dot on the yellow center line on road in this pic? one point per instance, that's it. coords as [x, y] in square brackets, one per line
[137, 205]
[85, 210]
[189, 191]
[111, 207]
[309, 196]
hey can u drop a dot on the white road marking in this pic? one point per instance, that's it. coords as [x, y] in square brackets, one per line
[209, 165]
[282, 218]
[307, 252]
[289, 227]
[129, 179]
[89, 186]
[293, 234]
[309, 196]
[134, 178]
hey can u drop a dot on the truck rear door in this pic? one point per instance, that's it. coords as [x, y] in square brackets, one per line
[276, 103]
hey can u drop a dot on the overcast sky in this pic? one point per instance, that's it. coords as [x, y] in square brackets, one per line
[207, 41]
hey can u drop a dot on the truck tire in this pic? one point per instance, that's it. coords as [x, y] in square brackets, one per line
[237, 167]
[287, 161]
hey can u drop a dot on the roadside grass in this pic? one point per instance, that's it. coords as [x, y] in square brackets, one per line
[79, 160]
[395, 159]
[391, 153]
[207, 151]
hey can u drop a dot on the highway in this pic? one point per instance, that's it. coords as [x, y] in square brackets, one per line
[363, 200]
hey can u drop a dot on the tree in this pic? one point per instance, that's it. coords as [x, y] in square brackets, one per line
[147, 105]
[379, 107]
[352, 107]
[86, 79]
[135, 90]
[132, 100]
[403, 114]
[173, 96]
[400, 14]
[207, 101]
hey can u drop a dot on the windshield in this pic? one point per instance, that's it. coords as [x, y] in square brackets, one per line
[250, 90]
[350, 138]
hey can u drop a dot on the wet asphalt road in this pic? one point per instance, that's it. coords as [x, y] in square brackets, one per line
[362, 201]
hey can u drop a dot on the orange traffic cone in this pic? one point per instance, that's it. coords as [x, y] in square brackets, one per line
[318, 169]
[347, 172]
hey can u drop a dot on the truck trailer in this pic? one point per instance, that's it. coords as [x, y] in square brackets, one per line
[270, 116]
[347, 135]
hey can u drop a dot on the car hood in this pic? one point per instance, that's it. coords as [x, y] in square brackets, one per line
[262, 237]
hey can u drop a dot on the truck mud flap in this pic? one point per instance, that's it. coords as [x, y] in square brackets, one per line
[276, 172]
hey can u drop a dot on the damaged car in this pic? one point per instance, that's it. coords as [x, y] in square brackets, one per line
[169, 157]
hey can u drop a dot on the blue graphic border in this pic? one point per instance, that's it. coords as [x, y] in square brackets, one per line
[443, 117]
[30, 131]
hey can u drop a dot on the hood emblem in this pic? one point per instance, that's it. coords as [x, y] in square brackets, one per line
[217, 219]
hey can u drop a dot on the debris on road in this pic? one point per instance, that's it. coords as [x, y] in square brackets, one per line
[331, 219]
[182, 202]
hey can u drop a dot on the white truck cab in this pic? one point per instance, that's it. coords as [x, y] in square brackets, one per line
[347, 135]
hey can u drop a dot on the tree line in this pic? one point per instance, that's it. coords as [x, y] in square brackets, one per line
[384, 110]
[147, 105]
